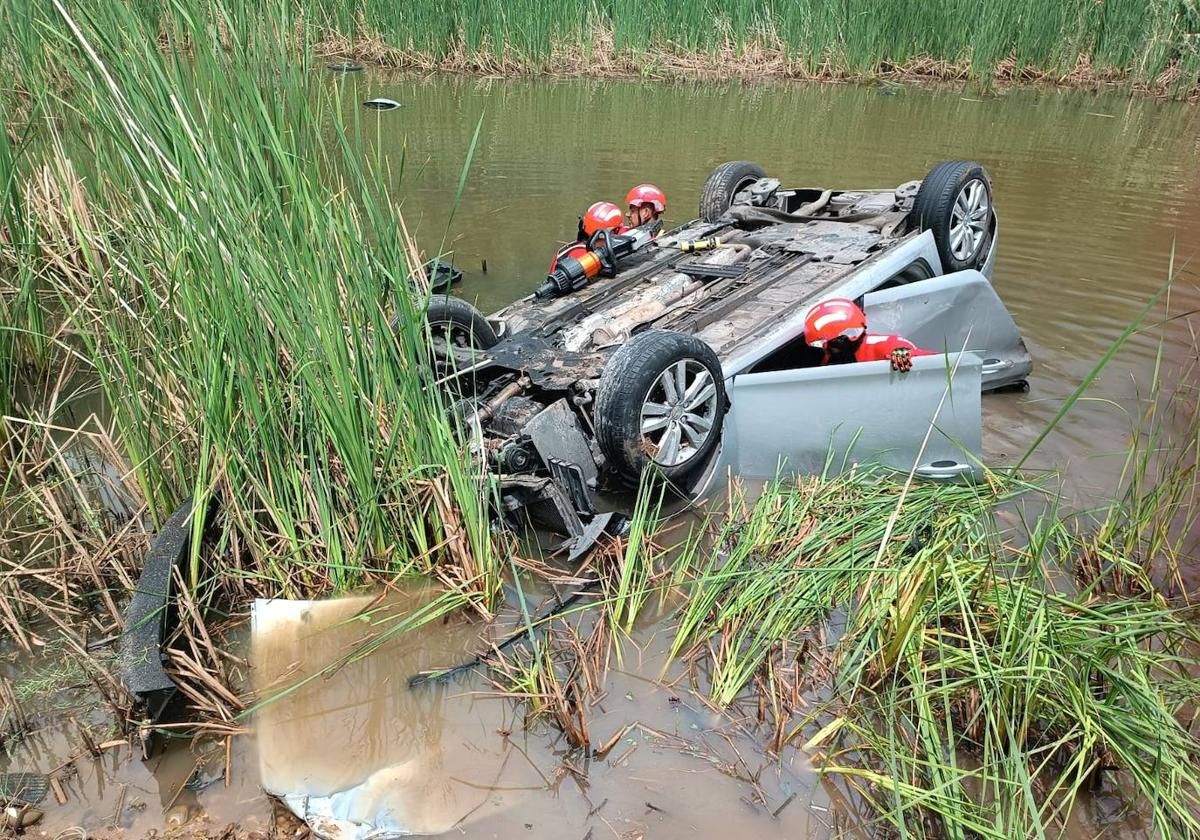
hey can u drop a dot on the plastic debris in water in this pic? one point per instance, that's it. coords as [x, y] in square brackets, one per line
[21, 816]
[382, 104]
[178, 816]
[345, 67]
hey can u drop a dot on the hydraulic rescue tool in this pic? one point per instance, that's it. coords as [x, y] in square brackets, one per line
[606, 249]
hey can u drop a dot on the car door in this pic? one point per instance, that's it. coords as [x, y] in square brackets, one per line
[952, 313]
[811, 420]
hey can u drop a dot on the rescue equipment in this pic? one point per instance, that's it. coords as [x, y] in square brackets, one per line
[605, 250]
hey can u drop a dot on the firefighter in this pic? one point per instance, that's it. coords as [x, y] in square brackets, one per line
[603, 215]
[646, 204]
[838, 327]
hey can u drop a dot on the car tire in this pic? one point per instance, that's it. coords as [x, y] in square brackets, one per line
[639, 387]
[452, 319]
[955, 204]
[726, 181]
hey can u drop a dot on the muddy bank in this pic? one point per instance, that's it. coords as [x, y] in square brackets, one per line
[754, 61]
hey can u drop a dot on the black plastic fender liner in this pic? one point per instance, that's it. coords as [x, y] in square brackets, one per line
[442, 275]
[149, 615]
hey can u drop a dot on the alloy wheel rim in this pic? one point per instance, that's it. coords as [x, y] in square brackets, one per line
[678, 413]
[969, 219]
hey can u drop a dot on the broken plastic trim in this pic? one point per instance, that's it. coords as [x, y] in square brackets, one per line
[149, 615]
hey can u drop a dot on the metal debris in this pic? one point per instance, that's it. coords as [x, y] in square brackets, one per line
[30, 788]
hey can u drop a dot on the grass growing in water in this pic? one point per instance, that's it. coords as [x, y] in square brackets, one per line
[221, 282]
[969, 697]
[1148, 42]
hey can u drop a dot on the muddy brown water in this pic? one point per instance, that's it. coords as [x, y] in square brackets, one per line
[1094, 193]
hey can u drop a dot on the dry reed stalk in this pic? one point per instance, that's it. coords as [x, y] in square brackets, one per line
[56, 200]
[762, 54]
[11, 621]
[10, 709]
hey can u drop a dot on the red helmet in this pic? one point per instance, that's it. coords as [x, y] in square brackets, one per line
[647, 194]
[601, 216]
[833, 318]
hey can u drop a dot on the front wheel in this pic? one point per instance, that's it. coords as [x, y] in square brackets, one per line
[660, 404]
[955, 204]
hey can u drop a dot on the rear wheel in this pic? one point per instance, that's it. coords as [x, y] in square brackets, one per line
[661, 404]
[726, 181]
[955, 204]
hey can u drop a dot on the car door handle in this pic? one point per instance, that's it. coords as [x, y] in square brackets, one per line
[943, 470]
[994, 365]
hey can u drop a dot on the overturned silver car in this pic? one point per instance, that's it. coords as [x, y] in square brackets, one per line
[684, 353]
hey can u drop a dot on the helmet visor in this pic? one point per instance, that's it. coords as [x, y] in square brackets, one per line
[850, 334]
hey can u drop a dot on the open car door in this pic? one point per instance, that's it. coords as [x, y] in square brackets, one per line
[951, 313]
[813, 420]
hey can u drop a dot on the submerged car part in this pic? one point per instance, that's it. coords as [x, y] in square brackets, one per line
[442, 275]
[30, 788]
[638, 400]
[381, 104]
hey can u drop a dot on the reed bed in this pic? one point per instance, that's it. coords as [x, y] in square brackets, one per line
[227, 265]
[224, 262]
[963, 686]
[1148, 44]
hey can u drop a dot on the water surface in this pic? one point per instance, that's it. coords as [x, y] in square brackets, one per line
[1094, 194]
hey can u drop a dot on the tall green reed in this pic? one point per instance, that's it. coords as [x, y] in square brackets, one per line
[238, 273]
[969, 697]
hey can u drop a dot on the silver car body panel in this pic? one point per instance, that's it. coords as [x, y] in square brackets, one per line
[790, 324]
[785, 423]
[955, 312]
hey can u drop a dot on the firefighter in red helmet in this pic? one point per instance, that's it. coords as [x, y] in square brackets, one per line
[603, 215]
[646, 204]
[839, 328]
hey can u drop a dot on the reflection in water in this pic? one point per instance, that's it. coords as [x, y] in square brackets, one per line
[1093, 192]
[355, 739]
[434, 760]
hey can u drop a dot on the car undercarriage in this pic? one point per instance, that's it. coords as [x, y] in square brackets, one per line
[623, 365]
